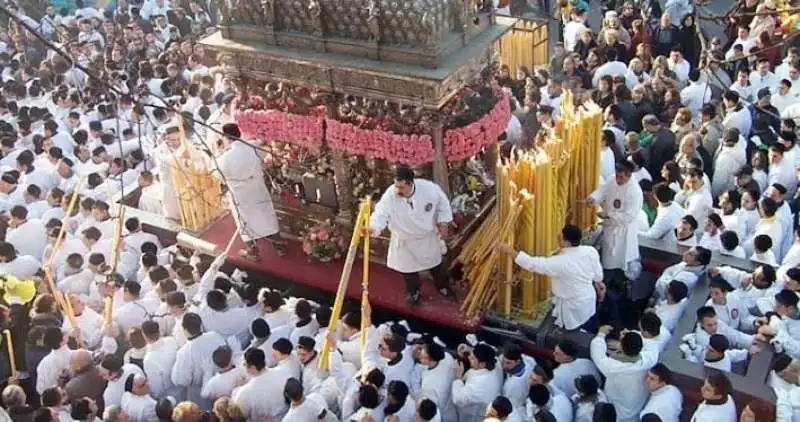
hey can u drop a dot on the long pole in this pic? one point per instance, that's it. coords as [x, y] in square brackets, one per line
[344, 280]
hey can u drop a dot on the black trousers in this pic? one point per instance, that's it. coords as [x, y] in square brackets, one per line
[440, 279]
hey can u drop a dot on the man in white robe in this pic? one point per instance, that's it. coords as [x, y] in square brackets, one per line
[621, 199]
[574, 270]
[625, 375]
[248, 197]
[668, 215]
[136, 401]
[56, 363]
[474, 390]
[666, 400]
[418, 215]
[159, 360]
[262, 396]
[116, 372]
[193, 365]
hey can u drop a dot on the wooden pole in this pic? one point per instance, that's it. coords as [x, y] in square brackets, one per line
[365, 272]
[10, 347]
[344, 280]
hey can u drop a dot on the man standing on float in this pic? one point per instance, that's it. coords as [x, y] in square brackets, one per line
[248, 198]
[418, 215]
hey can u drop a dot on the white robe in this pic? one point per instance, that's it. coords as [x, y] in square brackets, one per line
[158, 363]
[414, 242]
[309, 410]
[436, 384]
[116, 389]
[666, 403]
[248, 197]
[574, 271]
[23, 267]
[139, 408]
[515, 387]
[194, 367]
[29, 238]
[475, 392]
[625, 386]
[725, 412]
[667, 219]
[564, 376]
[222, 384]
[53, 365]
[90, 324]
[698, 204]
[620, 240]
[263, 394]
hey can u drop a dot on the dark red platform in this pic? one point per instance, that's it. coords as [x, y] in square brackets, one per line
[386, 287]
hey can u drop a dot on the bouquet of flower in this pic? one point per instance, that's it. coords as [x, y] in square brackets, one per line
[323, 241]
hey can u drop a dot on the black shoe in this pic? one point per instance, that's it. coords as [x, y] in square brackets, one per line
[413, 299]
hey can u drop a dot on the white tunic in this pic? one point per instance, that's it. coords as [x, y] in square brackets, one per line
[263, 394]
[29, 238]
[90, 324]
[193, 365]
[515, 387]
[116, 389]
[667, 219]
[23, 267]
[437, 383]
[625, 386]
[475, 392]
[620, 237]
[222, 384]
[249, 200]
[139, 408]
[574, 271]
[666, 403]
[52, 366]
[414, 242]
[309, 410]
[158, 364]
[725, 412]
[564, 376]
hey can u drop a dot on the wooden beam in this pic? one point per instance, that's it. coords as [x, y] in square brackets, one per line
[440, 172]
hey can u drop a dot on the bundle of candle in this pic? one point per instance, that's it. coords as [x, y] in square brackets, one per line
[560, 172]
[198, 191]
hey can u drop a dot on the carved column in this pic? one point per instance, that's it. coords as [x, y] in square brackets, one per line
[374, 25]
[440, 173]
[270, 16]
[344, 189]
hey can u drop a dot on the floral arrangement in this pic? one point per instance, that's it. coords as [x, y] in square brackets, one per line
[273, 125]
[323, 242]
[405, 149]
[464, 142]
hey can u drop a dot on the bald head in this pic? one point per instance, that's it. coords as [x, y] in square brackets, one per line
[80, 360]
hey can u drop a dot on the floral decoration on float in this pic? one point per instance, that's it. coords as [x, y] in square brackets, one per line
[307, 131]
[323, 241]
[411, 150]
[466, 141]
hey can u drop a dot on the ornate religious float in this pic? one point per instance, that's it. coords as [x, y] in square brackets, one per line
[339, 91]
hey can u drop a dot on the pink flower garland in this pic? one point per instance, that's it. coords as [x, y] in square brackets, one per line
[464, 142]
[274, 125]
[405, 149]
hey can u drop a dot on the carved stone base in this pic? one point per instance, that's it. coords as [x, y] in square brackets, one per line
[248, 33]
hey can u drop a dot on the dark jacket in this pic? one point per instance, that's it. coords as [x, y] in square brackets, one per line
[87, 383]
[661, 150]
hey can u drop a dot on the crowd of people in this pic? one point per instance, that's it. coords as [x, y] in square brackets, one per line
[699, 150]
